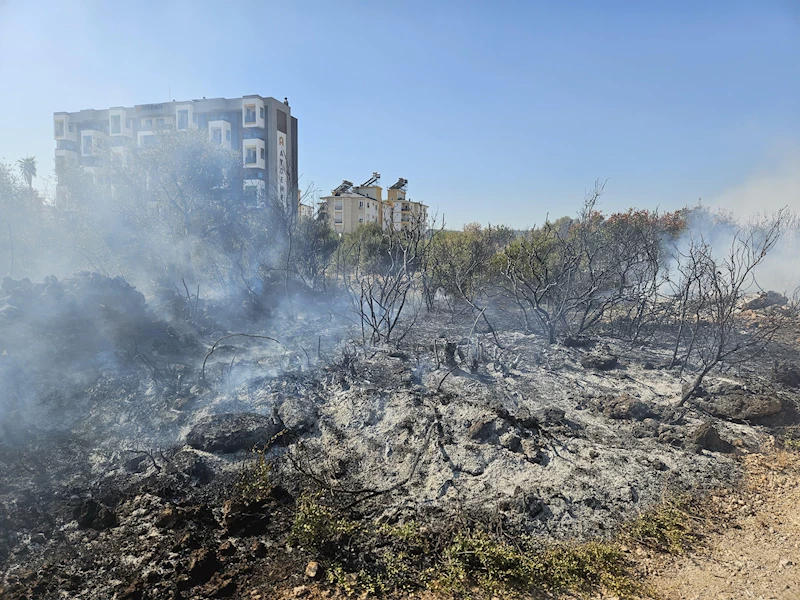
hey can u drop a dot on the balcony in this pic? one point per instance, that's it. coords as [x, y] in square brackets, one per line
[254, 154]
[67, 145]
[183, 119]
[253, 113]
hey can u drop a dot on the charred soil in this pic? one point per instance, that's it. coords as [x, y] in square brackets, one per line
[139, 464]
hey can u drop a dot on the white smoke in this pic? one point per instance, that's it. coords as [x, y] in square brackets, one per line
[764, 194]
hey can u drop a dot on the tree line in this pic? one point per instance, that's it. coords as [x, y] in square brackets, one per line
[177, 212]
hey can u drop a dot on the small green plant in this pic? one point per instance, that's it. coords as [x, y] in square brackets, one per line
[255, 482]
[791, 439]
[666, 528]
[479, 560]
[583, 567]
[316, 524]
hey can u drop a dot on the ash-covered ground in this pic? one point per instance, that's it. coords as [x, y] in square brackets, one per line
[128, 428]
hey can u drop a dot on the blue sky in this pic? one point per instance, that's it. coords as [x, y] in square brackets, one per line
[495, 112]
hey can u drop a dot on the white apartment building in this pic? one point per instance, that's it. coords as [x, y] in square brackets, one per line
[261, 128]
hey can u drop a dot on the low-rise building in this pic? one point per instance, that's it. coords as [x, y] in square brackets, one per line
[305, 211]
[350, 207]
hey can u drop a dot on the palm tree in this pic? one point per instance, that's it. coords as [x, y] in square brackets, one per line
[27, 166]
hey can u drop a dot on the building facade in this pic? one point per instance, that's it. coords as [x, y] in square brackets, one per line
[262, 129]
[350, 207]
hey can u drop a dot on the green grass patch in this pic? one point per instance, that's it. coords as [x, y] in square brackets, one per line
[670, 527]
[362, 557]
[791, 439]
[481, 561]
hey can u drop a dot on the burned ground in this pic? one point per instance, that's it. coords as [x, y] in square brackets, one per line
[128, 470]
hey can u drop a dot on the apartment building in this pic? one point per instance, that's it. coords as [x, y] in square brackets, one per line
[351, 206]
[305, 211]
[400, 212]
[261, 128]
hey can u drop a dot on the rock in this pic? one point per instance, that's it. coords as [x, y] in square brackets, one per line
[707, 437]
[531, 451]
[92, 514]
[298, 414]
[313, 570]
[578, 341]
[137, 464]
[742, 406]
[167, 518]
[484, 430]
[627, 407]
[765, 300]
[785, 563]
[233, 432]
[219, 587]
[258, 549]
[786, 374]
[602, 360]
[192, 465]
[511, 441]
[549, 415]
[226, 548]
[134, 591]
[245, 518]
[203, 563]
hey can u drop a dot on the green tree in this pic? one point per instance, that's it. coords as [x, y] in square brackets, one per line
[27, 167]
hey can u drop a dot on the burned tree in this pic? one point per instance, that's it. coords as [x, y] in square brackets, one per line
[381, 272]
[555, 273]
[711, 289]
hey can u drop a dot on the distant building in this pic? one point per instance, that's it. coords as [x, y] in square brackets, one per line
[262, 129]
[401, 212]
[305, 211]
[349, 207]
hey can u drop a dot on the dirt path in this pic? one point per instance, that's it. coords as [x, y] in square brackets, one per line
[754, 551]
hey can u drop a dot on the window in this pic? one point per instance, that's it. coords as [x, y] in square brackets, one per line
[281, 121]
[216, 135]
[262, 112]
[183, 119]
[71, 128]
[227, 135]
[147, 123]
[360, 219]
[67, 145]
[160, 123]
[250, 155]
[87, 145]
[338, 205]
[360, 204]
[337, 219]
[116, 126]
[263, 155]
[59, 128]
[250, 113]
[148, 141]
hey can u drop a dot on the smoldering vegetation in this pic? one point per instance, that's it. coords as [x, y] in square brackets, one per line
[203, 395]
